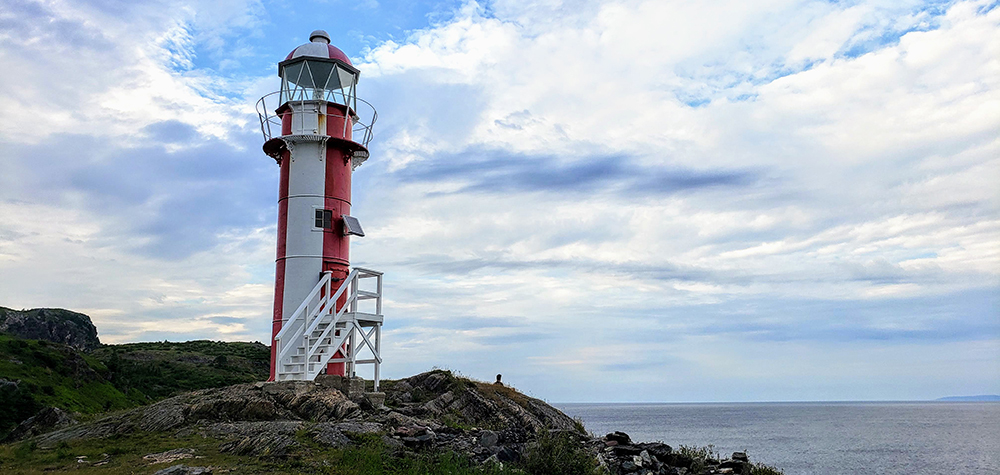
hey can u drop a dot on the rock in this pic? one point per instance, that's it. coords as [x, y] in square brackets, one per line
[331, 436]
[741, 456]
[420, 441]
[410, 431]
[46, 420]
[234, 430]
[625, 450]
[353, 388]
[647, 460]
[261, 446]
[440, 403]
[52, 324]
[434, 381]
[358, 427]
[393, 444]
[163, 416]
[629, 466]
[509, 453]
[169, 456]
[244, 403]
[488, 438]
[620, 437]
[736, 466]
[184, 470]
[493, 462]
[657, 449]
[373, 401]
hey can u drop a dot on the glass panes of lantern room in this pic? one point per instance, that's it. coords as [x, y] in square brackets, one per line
[314, 79]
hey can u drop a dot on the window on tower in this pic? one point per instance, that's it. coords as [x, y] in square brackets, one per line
[324, 218]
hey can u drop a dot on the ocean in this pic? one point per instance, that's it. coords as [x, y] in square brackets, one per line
[838, 438]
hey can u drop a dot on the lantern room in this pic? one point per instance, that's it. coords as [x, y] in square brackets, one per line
[318, 71]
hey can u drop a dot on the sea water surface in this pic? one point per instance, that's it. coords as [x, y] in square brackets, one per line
[827, 438]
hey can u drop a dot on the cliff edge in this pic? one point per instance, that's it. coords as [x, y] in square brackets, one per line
[51, 324]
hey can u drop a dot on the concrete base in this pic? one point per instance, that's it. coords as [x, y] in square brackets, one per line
[353, 388]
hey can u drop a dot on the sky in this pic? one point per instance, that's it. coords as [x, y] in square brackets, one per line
[605, 201]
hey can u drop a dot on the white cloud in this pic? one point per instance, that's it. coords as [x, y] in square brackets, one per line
[591, 189]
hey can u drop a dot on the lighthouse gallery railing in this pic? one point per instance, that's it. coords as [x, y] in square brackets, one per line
[362, 119]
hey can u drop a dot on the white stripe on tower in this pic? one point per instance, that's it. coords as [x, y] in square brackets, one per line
[304, 242]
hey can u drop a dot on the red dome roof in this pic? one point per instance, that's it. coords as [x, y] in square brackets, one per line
[319, 47]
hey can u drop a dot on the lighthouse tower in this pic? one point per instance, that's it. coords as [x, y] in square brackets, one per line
[316, 132]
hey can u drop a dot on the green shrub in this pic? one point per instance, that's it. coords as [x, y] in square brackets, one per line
[24, 450]
[761, 469]
[17, 404]
[558, 454]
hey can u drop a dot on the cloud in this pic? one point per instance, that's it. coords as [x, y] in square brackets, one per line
[498, 172]
[640, 191]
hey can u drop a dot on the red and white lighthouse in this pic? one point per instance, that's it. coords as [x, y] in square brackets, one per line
[316, 325]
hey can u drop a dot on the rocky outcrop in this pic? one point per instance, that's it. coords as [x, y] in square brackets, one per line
[242, 403]
[620, 456]
[438, 395]
[46, 420]
[52, 324]
[480, 420]
[429, 412]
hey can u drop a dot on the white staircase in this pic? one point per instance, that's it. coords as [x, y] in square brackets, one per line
[310, 337]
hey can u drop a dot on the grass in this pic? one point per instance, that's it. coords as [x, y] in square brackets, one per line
[558, 454]
[50, 374]
[370, 456]
[761, 469]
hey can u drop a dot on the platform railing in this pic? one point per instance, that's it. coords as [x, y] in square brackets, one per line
[362, 118]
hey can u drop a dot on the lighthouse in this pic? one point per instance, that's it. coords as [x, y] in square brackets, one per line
[327, 315]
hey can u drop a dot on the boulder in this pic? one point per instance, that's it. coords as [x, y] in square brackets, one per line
[619, 438]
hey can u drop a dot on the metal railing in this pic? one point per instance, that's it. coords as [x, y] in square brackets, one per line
[362, 120]
[314, 337]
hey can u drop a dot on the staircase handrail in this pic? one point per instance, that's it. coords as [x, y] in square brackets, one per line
[352, 278]
[322, 306]
[305, 302]
[333, 298]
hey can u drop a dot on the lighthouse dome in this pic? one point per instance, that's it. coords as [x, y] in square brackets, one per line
[319, 47]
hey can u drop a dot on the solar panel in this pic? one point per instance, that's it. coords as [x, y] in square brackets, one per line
[352, 226]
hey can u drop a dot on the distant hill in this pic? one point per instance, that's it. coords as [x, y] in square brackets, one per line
[985, 397]
[51, 324]
[163, 369]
